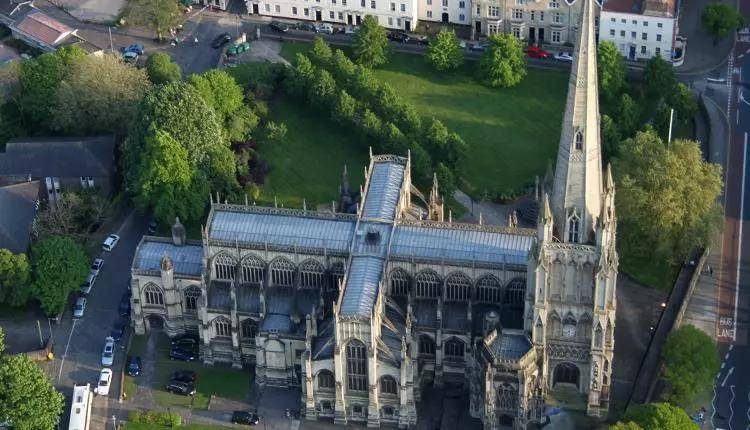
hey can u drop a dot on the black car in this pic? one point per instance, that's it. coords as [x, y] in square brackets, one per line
[181, 388]
[152, 226]
[279, 26]
[119, 331]
[184, 376]
[419, 40]
[124, 307]
[305, 26]
[398, 36]
[221, 40]
[186, 342]
[242, 417]
[176, 353]
[134, 366]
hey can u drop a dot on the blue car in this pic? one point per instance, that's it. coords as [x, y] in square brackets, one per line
[134, 366]
[181, 354]
[136, 47]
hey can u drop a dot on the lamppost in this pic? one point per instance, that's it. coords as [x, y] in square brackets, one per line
[114, 422]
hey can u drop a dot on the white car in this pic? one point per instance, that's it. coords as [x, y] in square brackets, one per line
[564, 56]
[96, 266]
[88, 284]
[324, 28]
[79, 307]
[108, 355]
[110, 242]
[105, 380]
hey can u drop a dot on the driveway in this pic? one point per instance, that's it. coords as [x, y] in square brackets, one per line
[99, 11]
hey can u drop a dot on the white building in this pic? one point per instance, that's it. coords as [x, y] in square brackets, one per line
[640, 29]
[446, 11]
[543, 21]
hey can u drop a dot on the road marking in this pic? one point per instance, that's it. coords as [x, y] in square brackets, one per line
[742, 98]
[731, 347]
[724, 382]
[65, 354]
[726, 356]
[731, 410]
[713, 408]
[739, 239]
[723, 363]
[737, 117]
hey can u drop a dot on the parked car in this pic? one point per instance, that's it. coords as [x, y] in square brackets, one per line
[88, 284]
[537, 52]
[242, 417]
[152, 226]
[79, 307]
[110, 242]
[305, 26]
[181, 388]
[108, 354]
[96, 266]
[130, 57]
[478, 47]
[237, 49]
[124, 307]
[398, 36]
[279, 26]
[186, 341]
[221, 40]
[105, 380]
[185, 376]
[134, 366]
[176, 353]
[324, 28]
[350, 29]
[419, 39]
[564, 56]
[136, 47]
[118, 331]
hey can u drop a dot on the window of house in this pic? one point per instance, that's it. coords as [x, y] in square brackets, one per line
[492, 28]
[643, 49]
[458, 287]
[393, 7]
[659, 25]
[343, 3]
[612, 32]
[372, 4]
[623, 21]
[388, 385]
[390, 21]
[532, 15]
[541, 16]
[612, 19]
[633, 34]
[554, 4]
[429, 14]
[87, 181]
[362, 3]
[282, 272]
[294, 10]
[191, 298]
[556, 18]
[516, 32]
[556, 36]
[307, 12]
[520, 2]
[341, 14]
[517, 13]
[278, 9]
[426, 345]
[429, 2]
[461, 17]
[454, 348]
[311, 274]
[644, 36]
[356, 366]
[645, 23]
[222, 327]
[658, 51]
[398, 22]
[427, 284]
[153, 296]
[634, 22]
[403, 7]
[461, 4]
[249, 329]
[268, 7]
[493, 11]
[479, 10]
[622, 33]
[445, 3]
[326, 381]
[658, 37]
[331, 15]
[574, 224]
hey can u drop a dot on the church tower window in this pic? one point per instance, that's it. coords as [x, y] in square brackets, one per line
[356, 366]
[191, 298]
[326, 380]
[249, 329]
[152, 295]
[574, 226]
[454, 348]
[224, 267]
[311, 274]
[282, 272]
[579, 140]
[458, 287]
[399, 283]
[252, 270]
[388, 385]
[222, 327]
[428, 285]
[488, 290]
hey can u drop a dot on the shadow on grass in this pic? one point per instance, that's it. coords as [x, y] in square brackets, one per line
[649, 271]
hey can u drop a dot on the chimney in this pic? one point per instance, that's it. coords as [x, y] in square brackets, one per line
[178, 233]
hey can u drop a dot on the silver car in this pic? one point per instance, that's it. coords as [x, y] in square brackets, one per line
[108, 355]
[79, 307]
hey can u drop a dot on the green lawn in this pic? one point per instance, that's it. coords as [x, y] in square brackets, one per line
[512, 133]
[649, 271]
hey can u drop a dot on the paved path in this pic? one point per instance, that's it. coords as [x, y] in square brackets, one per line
[702, 54]
[100, 11]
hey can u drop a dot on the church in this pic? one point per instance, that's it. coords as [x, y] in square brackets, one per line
[361, 310]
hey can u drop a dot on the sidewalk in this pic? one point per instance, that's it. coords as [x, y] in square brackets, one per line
[702, 55]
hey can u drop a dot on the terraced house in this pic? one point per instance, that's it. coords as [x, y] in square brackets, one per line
[364, 310]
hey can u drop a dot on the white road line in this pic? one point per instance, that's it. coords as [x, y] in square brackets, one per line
[739, 239]
[726, 356]
[748, 409]
[737, 117]
[724, 382]
[723, 363]
[65, 354]
[731, 410]
[731, 347]
[713, 408]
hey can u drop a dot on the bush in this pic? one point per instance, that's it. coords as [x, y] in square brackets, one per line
[143, 416]
[275, 131]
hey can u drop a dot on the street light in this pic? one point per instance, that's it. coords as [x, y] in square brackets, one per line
[114, 422]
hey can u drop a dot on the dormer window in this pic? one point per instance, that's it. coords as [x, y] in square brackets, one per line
[574, 228]
[579, 140]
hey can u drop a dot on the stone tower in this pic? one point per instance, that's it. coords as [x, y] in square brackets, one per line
[570, 305]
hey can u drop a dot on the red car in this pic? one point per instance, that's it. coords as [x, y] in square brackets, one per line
[537, 52]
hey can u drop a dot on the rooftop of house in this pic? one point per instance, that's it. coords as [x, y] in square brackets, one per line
[59, 157]
[17, 210]
[661, 8]
[43, 28]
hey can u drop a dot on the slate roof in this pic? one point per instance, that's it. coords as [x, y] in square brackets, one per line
[361, 286]
[43, 28]
[59, 157]
[510, 345]
[384, 191]
[187, 260]
[323, 343]
[17, 212]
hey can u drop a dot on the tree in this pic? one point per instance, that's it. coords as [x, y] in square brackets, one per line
[165, 181]
[14, 278]
[345, 108]
[446, 181]
[721, 19]
[666, 196]
[629, 425]
[27, 398]
[503, 63]
[161, 69]
[222, 93]
[445, 51]
[627, 114]
[660, 416]
[99, 95]
[322, 92]
[691, 362]
[320, 53]
[300, 76]
[659, 77]
[610, 137]
[59, 266]
[76, 215]
[371, 43]
[156, 15]
[611, 68]
[682, 100]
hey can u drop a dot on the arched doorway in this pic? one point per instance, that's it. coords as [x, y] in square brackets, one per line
[155, 322]
[567, 373]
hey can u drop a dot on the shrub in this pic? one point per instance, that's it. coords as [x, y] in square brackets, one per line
[143, 416]
[275, 131]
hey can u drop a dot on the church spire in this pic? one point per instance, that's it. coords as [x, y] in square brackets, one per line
[435, 205]
[576, 196]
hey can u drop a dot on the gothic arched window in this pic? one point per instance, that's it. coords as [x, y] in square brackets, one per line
[311, 274]
[222, 327]
[399, 283]
[598, 336]
[428, 284]
[579, 140]
[515, 294]
[326, 381]
[153, 295]
[356, 366]
[488, 289]
[282, 272]
[252, 270]
[574, 226]
[337, 274]
[224, 267]
[454, 348]
[458, 287]
[388, 385]
[249, 329]
[426, 345]
[191, 298]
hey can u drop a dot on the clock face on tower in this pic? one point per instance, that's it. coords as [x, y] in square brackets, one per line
[569, 330]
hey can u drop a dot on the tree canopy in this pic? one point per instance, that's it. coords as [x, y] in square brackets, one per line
[99, 95]
[156, 15]
[721, 19]
[15, 273]
[629, 425]
[371, 43]
[220, 91]
[659, 77]
[611, 68]
[659, 416]
[503, 63]
[59, 266]
[161, 69]
[691, 362]
[445, 51]
[27, 398]
[666, 196]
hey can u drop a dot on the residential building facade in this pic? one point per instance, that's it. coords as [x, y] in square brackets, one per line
[363, 311]
[641, 29]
